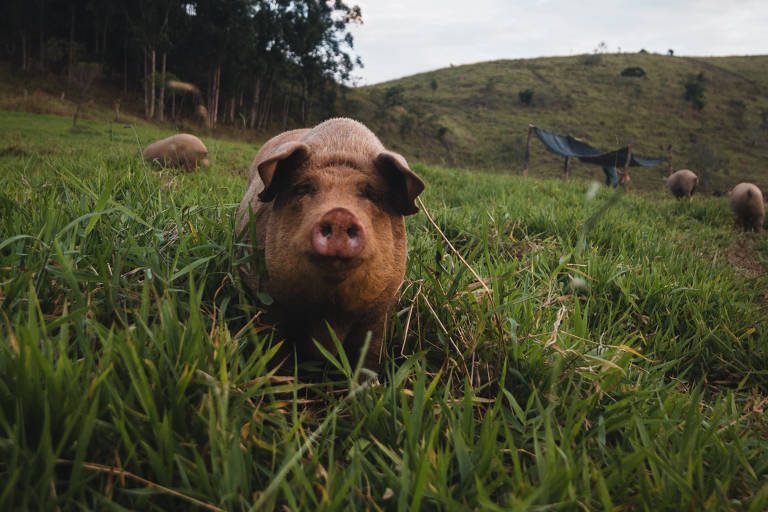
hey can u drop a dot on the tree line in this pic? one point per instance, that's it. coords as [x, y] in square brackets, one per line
[247, 63]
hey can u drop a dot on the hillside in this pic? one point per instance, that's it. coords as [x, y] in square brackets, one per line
[471, 115]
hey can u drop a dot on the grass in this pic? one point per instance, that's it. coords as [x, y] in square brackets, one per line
[555, 347]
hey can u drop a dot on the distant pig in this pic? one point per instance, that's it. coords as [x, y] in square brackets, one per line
[682, 183]
[180, 150]
[325, 206]
[747, 206]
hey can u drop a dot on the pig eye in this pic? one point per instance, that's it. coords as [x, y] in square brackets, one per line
[371, 194]
[302, 189]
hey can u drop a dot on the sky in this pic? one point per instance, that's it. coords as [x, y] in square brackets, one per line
[400, 37]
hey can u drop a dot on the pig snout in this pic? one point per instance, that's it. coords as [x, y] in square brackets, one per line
[338, 234]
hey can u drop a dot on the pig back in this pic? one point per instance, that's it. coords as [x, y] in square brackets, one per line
[682, 183]
[747, 205]
[179, 149]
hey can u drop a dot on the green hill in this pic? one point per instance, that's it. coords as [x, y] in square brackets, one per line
[472, 115]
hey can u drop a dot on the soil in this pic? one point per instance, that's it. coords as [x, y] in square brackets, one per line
[741, 254]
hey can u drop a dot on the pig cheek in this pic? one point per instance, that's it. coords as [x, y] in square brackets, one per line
[378, 279]
[288, 267]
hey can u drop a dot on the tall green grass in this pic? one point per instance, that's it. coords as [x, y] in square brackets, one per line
[555, 347]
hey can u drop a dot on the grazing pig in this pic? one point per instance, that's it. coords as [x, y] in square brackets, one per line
[682, 183]
[747, 205]
[325, 207]
[180, 150]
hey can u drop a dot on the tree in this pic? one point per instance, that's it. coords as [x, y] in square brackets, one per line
[694, 90]
[255, 62]
[525, 96]
[393, 96]
[81, 78]
[318, 43]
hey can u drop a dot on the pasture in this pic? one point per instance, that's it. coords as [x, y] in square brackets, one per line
[556, 347]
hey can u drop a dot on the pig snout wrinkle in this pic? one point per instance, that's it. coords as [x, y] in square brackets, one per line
[338, 234]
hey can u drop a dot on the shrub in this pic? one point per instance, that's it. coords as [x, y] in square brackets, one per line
[441, 133]
[594, 59]
[526, 96]
[393, 96]
[694, 90]
[597, 55]
[633, 71]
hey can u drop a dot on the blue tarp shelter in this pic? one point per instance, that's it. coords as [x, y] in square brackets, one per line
[570, 147]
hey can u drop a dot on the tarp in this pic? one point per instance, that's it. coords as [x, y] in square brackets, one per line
[611, 176]
[568, 146]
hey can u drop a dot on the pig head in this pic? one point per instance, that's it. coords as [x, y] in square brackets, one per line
[325, 208]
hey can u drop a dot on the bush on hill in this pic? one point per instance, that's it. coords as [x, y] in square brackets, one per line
[694, 90]
[526, 96]
[633, 71]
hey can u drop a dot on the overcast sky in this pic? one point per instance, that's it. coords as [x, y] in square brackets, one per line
[402, 37]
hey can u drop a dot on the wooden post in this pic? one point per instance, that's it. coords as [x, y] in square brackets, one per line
[528, 149]
[625, 177]
[161, 100]
[153, 56]
[567, 167]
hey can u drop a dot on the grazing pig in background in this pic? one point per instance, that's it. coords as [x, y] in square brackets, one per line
[747, 205]
[180, 150]
[682, 183]
[325, 206]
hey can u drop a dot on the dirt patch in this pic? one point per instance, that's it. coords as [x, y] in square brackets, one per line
[741, 254]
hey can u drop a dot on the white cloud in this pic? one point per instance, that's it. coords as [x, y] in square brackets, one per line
[400, 38]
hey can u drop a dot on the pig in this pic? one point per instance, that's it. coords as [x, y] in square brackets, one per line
[682, 183]
[747, 206]
[180, 150]
[323, 216]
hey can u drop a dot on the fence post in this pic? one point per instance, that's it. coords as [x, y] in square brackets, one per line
[528, 149]
[625, 177]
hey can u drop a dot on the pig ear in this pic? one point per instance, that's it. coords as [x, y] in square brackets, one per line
[273, 169]
[408, 184]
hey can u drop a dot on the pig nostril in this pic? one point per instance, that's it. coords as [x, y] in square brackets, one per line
[352, 232]
[325, 229]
